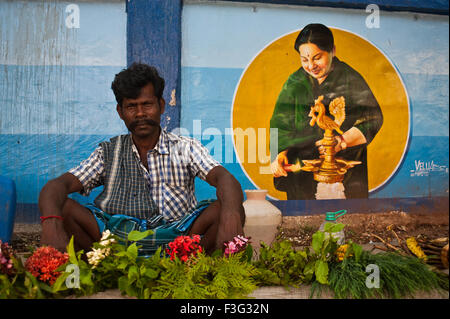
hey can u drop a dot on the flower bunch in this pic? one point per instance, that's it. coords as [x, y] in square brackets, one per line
[6, 262]
[236, 245]
[44, 262]
[341, 251]
[184, 247]
[98, 254]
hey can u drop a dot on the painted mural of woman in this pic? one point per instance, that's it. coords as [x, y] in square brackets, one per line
[322, 73]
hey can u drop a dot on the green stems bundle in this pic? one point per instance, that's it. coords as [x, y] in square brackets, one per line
[399, 277]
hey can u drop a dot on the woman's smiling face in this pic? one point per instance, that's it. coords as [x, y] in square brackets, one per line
[315, 61]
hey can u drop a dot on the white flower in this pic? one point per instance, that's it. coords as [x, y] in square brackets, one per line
[96, 256]
[106, 240]
[106, 234]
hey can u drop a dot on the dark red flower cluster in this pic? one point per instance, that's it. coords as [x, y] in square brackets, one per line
[184, 247]
[6, 262]
[44, 262]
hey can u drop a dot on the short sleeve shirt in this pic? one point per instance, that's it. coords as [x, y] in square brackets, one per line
[173, 164]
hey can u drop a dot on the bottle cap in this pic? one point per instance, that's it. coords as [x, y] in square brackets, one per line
[332, 216]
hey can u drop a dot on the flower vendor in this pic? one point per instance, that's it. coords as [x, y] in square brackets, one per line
[148, 181]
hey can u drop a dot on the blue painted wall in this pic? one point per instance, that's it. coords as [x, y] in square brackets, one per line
[153, 37]
[55, 96]
[429, 6]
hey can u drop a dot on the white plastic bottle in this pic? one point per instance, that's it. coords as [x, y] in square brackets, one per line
[330, 217]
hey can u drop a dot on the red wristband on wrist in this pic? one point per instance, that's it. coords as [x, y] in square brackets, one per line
[51, 216]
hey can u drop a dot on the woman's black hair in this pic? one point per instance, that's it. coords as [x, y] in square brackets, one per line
[129, 82]
[317, 34]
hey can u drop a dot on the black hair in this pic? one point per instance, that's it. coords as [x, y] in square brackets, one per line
[129, 82]
[317, 34]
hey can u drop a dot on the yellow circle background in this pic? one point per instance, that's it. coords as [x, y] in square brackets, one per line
[258, 90]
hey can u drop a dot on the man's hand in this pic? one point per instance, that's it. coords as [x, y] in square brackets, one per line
[51, 202]
[53, 234]
[231, 212]
[228, 229]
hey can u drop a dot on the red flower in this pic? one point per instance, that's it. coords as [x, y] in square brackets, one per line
[184, 247]
[44, 262]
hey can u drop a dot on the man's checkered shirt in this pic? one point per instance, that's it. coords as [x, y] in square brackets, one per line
[172, 167]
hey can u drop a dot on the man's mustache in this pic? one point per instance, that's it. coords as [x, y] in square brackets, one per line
[142, 121]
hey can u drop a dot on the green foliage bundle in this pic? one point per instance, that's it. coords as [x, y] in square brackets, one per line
[282, 265]
[214, 277]
[399, 277]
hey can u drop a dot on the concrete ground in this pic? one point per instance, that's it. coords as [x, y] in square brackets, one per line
[303, 292]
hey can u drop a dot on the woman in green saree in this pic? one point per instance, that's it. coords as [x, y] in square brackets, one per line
[322, 73]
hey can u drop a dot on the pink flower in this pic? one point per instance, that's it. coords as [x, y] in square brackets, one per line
[236, 245]
[6, 262]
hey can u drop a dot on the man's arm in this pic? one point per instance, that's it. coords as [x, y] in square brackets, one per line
[51, 202]
[230, 196]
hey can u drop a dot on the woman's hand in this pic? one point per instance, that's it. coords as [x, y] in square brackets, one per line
[340, 145]
[278, 165]
[352, 137]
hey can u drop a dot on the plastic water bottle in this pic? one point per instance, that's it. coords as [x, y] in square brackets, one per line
[331, 217]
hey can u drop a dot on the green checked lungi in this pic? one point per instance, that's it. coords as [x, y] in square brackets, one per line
[163, 232]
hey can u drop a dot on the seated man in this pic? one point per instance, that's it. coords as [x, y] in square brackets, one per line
[148, 178]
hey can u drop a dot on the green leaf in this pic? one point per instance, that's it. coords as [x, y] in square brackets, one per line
[336, 228]
[302, 253]
[120, 254]
[43, 286]
[142, 269]
[249, 253]
[123, 284]
[357, 250]
[317, 241]
[151, 273]
[217, 253]
[122, 265]
[136, 235]
[58, 284]
[132, 251]
[132, 274]
[327, 227]
[147, 293]
[309, 268]
[321, 271]
[71, 251]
